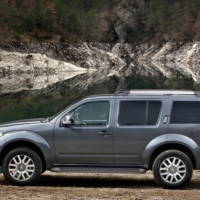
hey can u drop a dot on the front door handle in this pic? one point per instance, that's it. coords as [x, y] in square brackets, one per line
[104, 133]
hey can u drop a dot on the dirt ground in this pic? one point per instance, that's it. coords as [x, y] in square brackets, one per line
[98, 187]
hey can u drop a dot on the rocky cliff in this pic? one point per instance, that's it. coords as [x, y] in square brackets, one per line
[36, 66]
[135, 44]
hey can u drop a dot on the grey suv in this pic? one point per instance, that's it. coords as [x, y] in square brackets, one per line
[127, 132]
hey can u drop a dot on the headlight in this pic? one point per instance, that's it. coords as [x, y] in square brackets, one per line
[1, 134]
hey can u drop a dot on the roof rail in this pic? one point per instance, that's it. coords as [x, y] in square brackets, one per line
[157, 92]
[121, 92]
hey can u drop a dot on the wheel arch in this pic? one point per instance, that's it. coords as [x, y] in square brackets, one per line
[172, 146]
[169, 142]
[23, 143]
[30, 140]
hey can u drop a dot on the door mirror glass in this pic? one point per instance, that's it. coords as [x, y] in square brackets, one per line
[67, 120]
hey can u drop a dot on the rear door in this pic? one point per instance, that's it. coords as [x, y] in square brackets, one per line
[138, 121]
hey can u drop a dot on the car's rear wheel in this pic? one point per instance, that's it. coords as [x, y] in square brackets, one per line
[22, 166]
[172, 169]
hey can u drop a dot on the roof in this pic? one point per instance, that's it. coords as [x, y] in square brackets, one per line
[157, 93]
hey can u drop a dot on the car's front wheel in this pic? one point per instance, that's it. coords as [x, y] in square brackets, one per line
[22, 166]
[172, 169]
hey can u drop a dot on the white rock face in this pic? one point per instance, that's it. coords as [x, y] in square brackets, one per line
[172, 58]
[96, 62]
[20, 71]
[33, 71]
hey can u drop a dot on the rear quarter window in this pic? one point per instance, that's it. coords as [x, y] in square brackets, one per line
[184, 112]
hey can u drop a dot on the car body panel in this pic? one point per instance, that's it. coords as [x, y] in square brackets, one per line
[128, 146]
[130, 141]
[36, 132]
[171, 138]
[84, 145]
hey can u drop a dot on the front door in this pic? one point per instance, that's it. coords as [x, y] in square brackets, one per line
[89, 140]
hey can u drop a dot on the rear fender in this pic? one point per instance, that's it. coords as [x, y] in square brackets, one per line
[171, 139]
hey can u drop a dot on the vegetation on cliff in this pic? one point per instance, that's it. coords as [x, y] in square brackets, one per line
[96, 20]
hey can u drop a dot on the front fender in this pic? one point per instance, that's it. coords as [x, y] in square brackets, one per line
[31, 137]
[171, 139]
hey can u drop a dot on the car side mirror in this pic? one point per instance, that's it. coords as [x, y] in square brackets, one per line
[67, 120]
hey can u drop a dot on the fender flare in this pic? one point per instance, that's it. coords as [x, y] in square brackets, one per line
[171, 138]
[31, 137]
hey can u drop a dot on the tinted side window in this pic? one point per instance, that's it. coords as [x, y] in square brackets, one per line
[132, 113]
[153, 112]
[185, 112]
[91, 114]
[139, 112]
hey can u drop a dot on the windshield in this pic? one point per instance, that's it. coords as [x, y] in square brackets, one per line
[54, 116]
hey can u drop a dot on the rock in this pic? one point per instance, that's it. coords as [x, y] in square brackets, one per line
[37, 66]
[21, 71]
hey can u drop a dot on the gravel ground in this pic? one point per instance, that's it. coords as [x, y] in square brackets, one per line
[98, 187]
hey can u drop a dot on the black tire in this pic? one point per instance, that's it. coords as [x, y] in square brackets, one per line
[186, 176]
[35, 160]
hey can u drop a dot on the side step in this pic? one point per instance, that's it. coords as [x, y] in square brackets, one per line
[98, 170]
